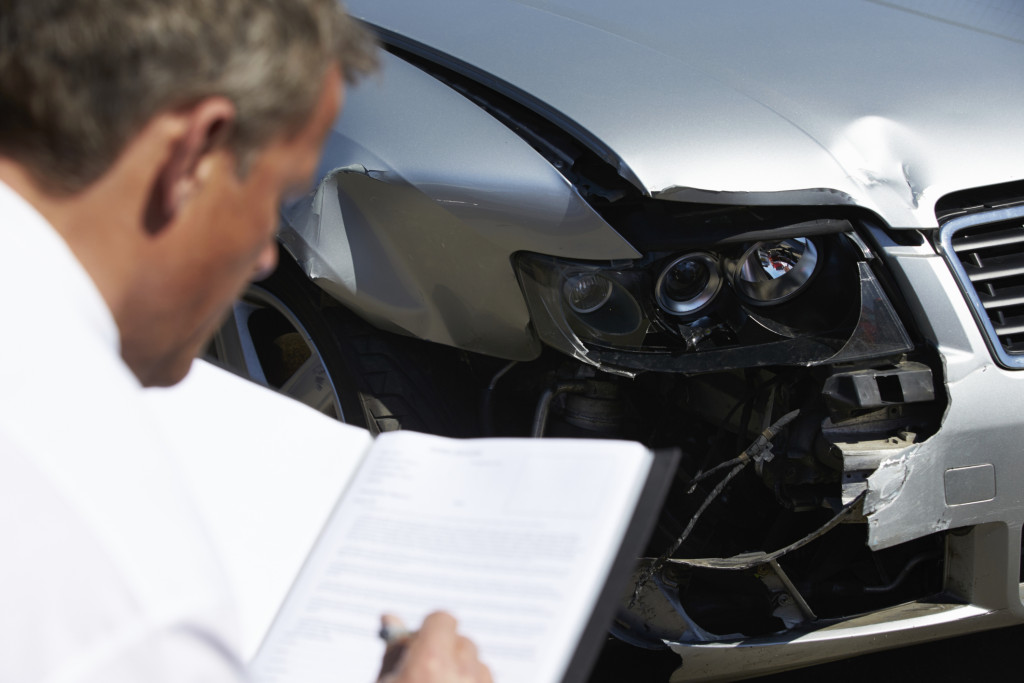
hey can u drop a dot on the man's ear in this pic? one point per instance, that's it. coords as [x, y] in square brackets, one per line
[202, 129]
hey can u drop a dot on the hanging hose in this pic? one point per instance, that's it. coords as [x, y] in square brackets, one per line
[540, 418]
[486, 413]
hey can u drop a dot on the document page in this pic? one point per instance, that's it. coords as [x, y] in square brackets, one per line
[513, 536]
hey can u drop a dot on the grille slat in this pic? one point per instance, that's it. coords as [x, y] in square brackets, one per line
[994, 267]
[1004, 298]
[1000, 238]
[1005, 330]
[986, 253]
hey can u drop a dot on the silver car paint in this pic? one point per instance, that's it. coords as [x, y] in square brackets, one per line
[887, 105]
[797, 109]
[417, 235]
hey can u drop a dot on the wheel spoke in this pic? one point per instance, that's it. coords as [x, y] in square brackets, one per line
[235, 346]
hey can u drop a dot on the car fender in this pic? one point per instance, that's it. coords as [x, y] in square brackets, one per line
[422, 198]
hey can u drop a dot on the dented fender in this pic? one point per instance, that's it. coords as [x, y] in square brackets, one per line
[417, 236]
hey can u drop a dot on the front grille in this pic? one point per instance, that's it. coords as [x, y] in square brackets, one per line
[986, 252]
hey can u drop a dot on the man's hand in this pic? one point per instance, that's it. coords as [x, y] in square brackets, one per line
[434, 654]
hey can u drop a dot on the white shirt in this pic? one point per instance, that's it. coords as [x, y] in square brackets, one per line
[110, 494]
[106, 572]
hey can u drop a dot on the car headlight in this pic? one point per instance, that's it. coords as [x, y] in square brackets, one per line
[688, 284]
[599, 305]
[795, 300]
[587, 292]
[772, 272]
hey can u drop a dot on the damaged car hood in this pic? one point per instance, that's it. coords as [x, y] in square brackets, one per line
[818, 114]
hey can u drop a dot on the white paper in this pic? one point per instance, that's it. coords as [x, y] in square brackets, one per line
[514, 537]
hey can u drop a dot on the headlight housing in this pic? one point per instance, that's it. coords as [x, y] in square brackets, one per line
[800, 300]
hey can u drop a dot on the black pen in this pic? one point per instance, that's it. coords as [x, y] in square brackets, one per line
[394, 633]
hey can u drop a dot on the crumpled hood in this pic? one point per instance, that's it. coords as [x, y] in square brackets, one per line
[886, 104]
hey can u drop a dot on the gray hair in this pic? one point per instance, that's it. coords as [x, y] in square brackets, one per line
[79, 78]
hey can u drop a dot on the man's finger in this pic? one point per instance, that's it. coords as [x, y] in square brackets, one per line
[438, 631]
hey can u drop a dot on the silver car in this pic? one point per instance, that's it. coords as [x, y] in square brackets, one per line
[785, 237]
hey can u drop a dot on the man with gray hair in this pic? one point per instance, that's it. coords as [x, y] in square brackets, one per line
[145, 146]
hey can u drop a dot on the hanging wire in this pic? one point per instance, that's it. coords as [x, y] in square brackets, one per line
[759, 450]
